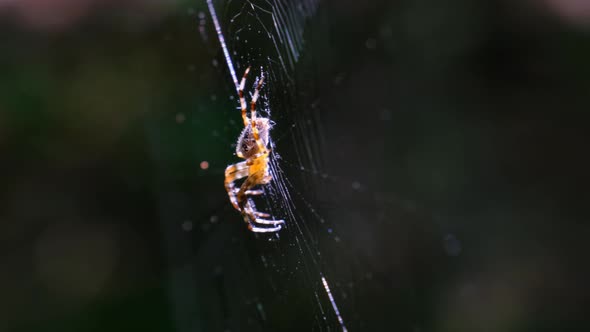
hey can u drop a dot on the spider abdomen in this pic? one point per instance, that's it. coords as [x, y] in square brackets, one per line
[246, 146]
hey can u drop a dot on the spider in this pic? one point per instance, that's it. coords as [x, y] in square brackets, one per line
[251, 146]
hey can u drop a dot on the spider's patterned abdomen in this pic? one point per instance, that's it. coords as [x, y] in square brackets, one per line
[246, 146]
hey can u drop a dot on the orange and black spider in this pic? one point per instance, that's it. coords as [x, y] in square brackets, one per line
[251, 146]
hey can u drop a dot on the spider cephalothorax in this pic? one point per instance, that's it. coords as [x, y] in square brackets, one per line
[252, 146]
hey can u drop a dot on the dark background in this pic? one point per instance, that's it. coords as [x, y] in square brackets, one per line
[436, 156]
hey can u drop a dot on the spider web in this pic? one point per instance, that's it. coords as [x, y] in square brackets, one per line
[296, 270]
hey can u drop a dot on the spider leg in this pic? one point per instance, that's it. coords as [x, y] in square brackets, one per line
[255, 99]
[254, 192]
[269, 222]
[242, 99]
[251, 216]
[253, 114]
[251, 211]
[252, 220]
[264, 229]
[245, 206]
[233, 173]
[250, 182]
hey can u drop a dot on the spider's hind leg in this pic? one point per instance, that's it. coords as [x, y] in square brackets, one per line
[253, 217]
[255, 229]
[269, 222]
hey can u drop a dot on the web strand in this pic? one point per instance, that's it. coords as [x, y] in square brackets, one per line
[334, 306]
[230, 64]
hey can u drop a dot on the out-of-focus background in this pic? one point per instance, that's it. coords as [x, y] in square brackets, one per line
[434, 157]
